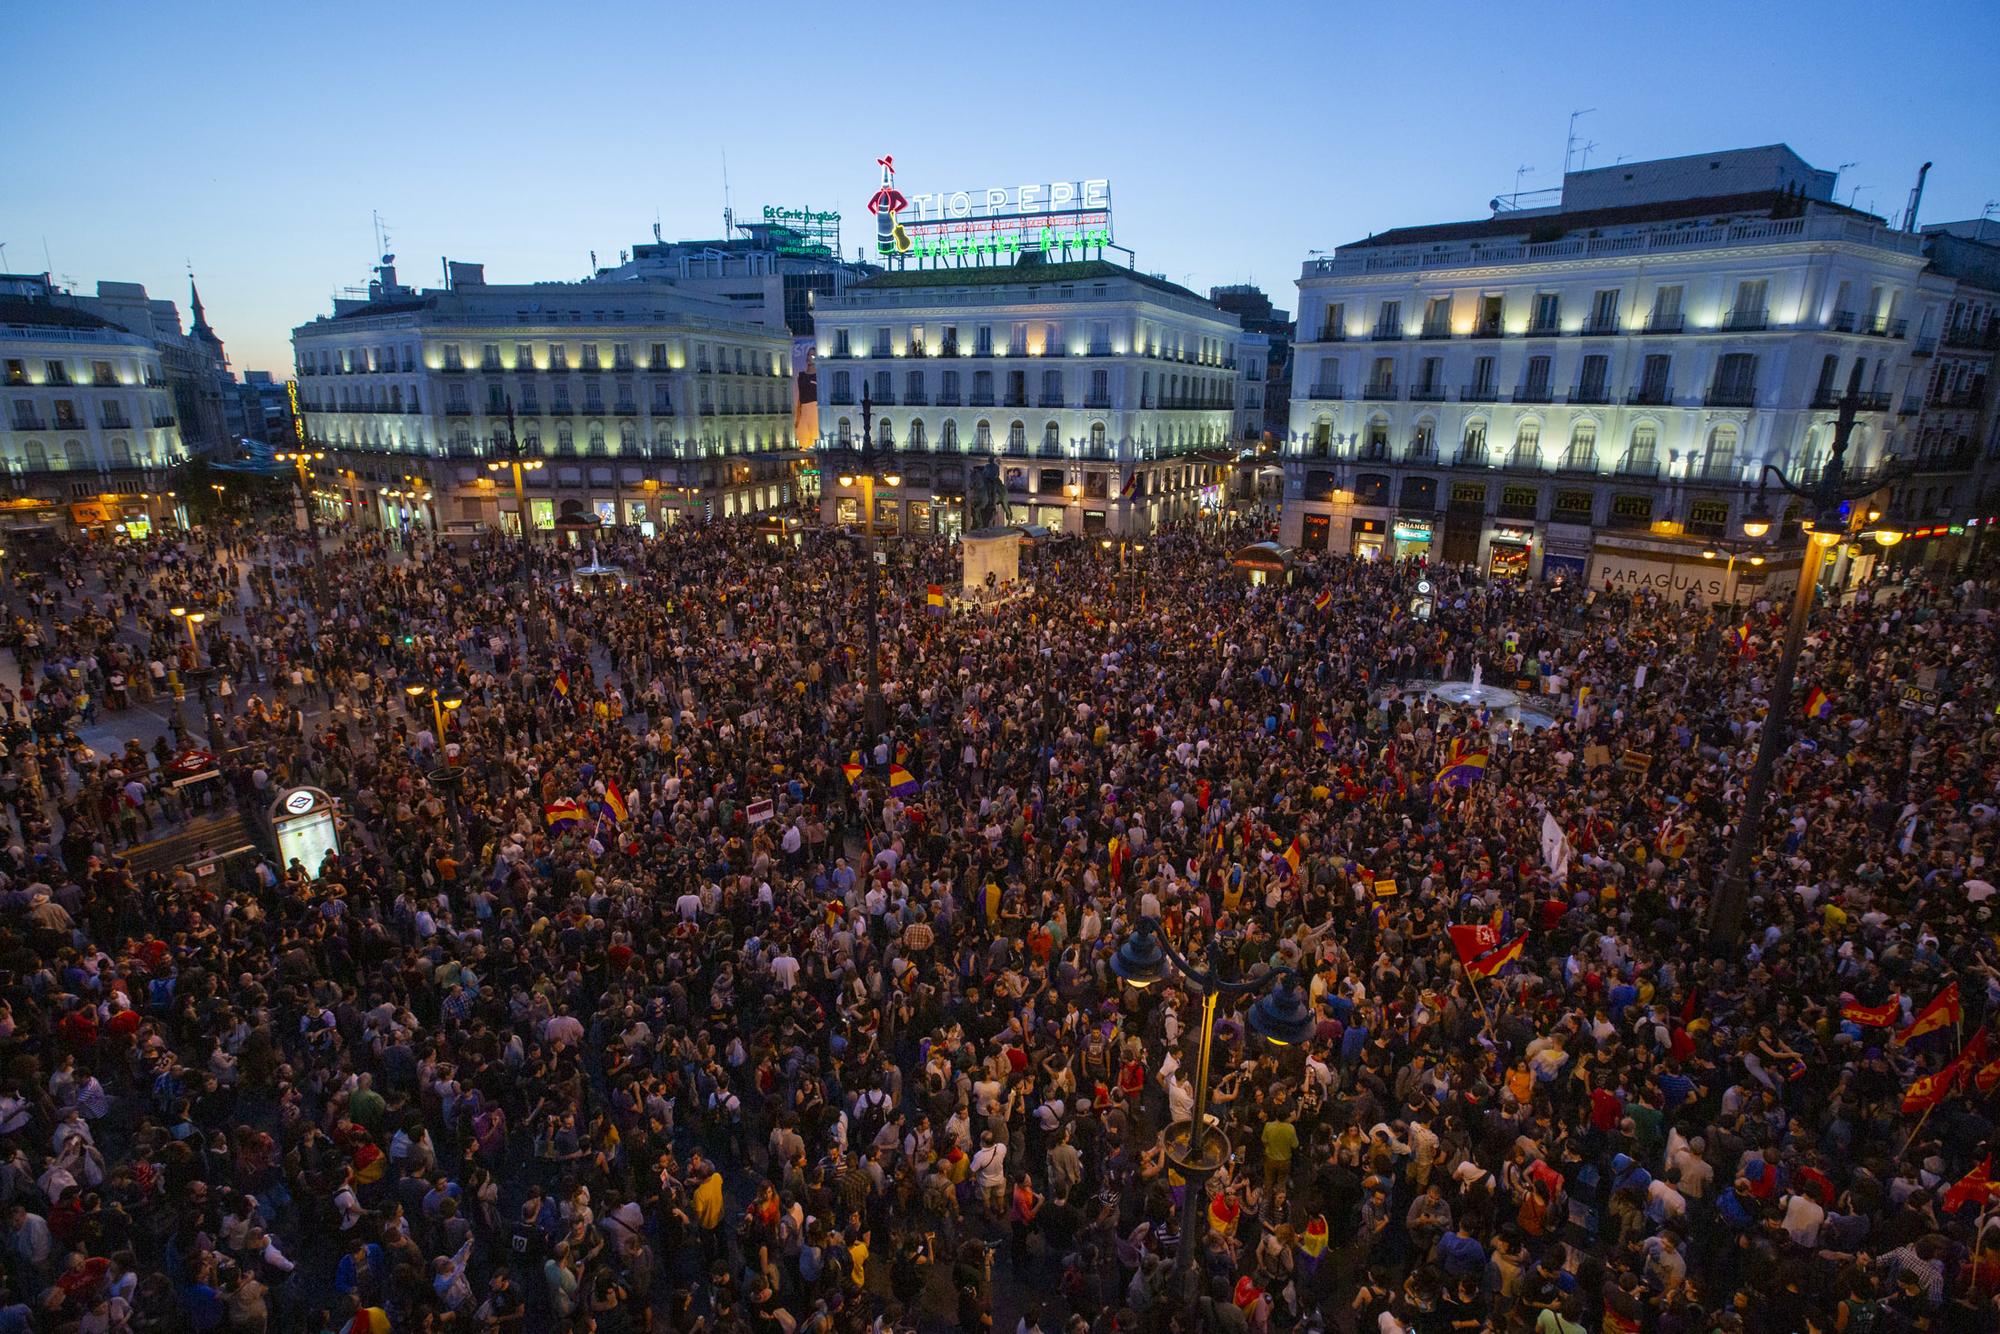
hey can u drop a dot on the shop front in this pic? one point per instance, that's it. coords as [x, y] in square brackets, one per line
[1314, 532]
[1566, 548]
[1368, 538]
[1414, 537]
[1464, 522]
[1509, 552]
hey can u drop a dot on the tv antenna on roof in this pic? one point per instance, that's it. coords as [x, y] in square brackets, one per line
[1519, 172]
[1838, 172]
[1569, 144]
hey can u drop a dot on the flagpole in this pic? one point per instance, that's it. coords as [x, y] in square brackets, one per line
[1979, 1243]
[1473, 982]
[1916, 1128]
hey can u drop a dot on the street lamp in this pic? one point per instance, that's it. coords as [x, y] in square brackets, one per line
[1827, 523]
[874, 710]
[1731, 550]
[443, 699]
[299, 459]
[518, 466]
[1280, 1017]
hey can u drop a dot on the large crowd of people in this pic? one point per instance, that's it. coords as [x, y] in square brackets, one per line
[657, 992]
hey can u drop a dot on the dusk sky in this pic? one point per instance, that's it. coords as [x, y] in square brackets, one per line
[253, 141]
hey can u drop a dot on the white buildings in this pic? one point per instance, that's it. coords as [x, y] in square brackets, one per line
[1582, 390]
[1111, 397]
[645, 402]
[88, 434]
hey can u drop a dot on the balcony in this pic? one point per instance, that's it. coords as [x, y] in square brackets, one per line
[1436, 329]
[1747, 319]
[1385, 389]
[1427, 393]
[1587, 393]
[1731, 396]
[1578, 460]
[947, 398]
[1049, 401]
[1388, 333]
[1651, 395]
[1966, 335]
[1487, 329]
[1842, 321]
[916, 398]
[457, 410]
[1471, 456]
[1924, 347]
[562, 409]
[1544, 329]
[1331, 334]
[117, 421]
[1533, 393]
[1099, 350]
[1665, 322]
[28, 421]
[1016, 401]
[1725, 470]
[1525, 460]
[1884, 327]
[451, 368]
[625, 410]
[1327, 391]
[1420, 453]
[490, 368]
[841, 398]
[1599, 328]
[164, 420]
[1910, 406]
[1375, 451]
[1639, 465]
[1962, 459]
[1874, 403]
[981, 400]
[1482, 392]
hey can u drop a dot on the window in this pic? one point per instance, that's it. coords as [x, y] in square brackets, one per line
[1603, 312]
[1482, 378]
[1017, 339]
[982, 436]
[948, 390]
[845, 432]
[102, 375]
[982, 342]
[1582, 446]
[1052, 389]
[1097, 439]
[841, 347]
[628, 438]
[1431, 377]
[1472, 447]
[948, 436]
[1389, 320]
[917, 434]
[1017, 438]
[1488, 325]
[558, 357]
[17, 371]
[658, 360]
[884, 390]
[885, 433]
[1100, 388]
[590, 362]
[881, 346]
[621, 356]
[1653, 387]
[1437, 317]
[1528, 442]
[1721, 460]
[597, 437]
[1548, 313]
[1828, 368]
[1748, 313]
[489, 357]
[843, 388]
[57, 372]
[1735, 380]
[453, 357]
[73, 454]
[1645, 439]
[1332, 324]
[1590, 378]
[1536, 387]
[1051, 439]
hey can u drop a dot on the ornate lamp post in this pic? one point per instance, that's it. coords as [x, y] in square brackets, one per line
[1281, 1017]
[519, 467]
[874, 709]
[1828, 522]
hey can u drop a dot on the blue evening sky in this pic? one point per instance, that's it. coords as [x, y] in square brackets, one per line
[253, 140]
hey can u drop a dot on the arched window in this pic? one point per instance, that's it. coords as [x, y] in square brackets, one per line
[1582, 447]
[461, 438]
[38, 456]
[597, 437]
[1423, 440]
[1645, 443]
[948, 436]
[121, 453]
[533, 439]
[1322, 440]
[845, 432]
[982, 436]
[1052, 438]
[72, 453]
[663, 440]
[885, 434]
[1375, 444]
[1096, 437]
[628, 437]
[1528, 442]
[1721, 460]
[1017, 438]
[917, 440]
[1473, 445]
[564, 437]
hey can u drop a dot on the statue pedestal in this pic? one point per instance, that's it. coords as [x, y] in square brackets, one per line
[990, 551]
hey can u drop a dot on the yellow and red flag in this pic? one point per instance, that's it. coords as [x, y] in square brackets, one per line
[1927, 1091]
[1873, 1016]
[614, 801]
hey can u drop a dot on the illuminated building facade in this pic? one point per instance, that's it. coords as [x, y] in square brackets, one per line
[1108, 398]
[647, 404]
[88, 434]
[1591, 390]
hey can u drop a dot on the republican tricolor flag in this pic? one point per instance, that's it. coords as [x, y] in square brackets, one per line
[934, 597]
[1492, 962]
[1944, 1011]
[614, 802]
[1323, 601]
[562, 814]
[1819, 704]
[1321, 734]
[562, 684]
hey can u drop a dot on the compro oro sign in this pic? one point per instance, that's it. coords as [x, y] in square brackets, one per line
[303, 820]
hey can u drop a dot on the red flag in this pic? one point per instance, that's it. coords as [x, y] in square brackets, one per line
[1872, 1016]
[1986, 1076]
[1473, 941]
[1944, 1011]
[1927, 1091]
[1488, 965]
[1691, 1006]
[1975, 1187]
